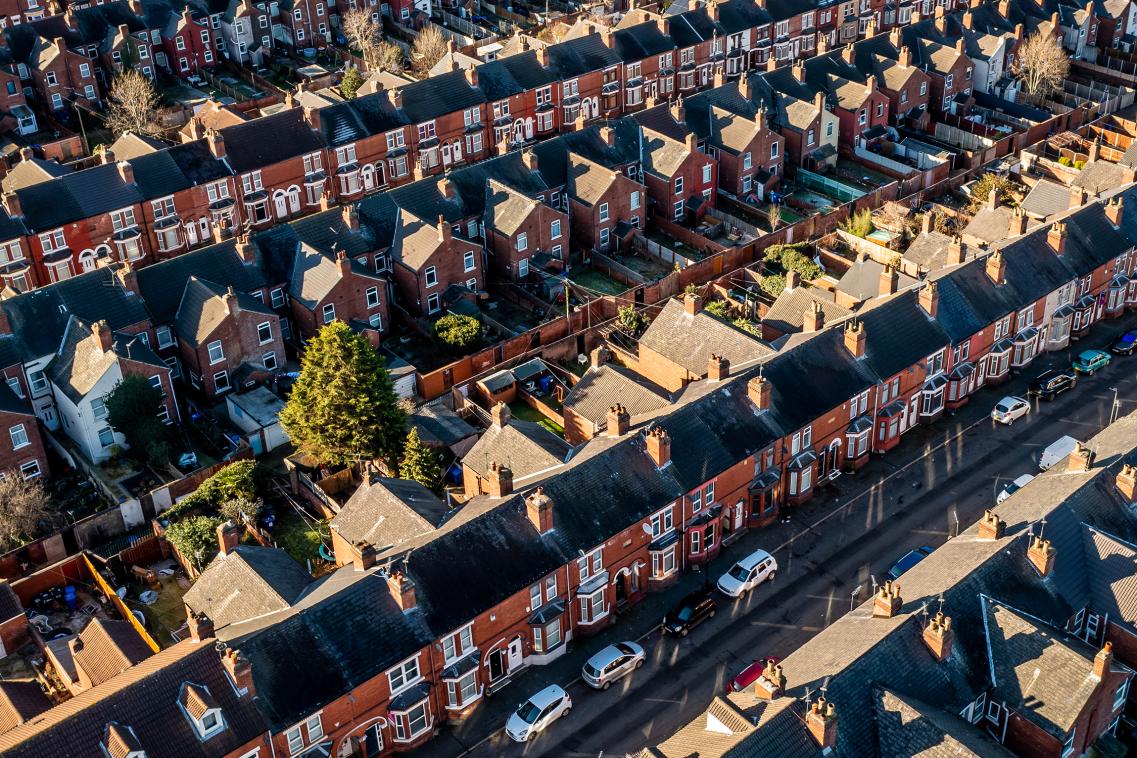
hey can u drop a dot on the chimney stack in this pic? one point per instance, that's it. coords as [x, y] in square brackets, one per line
[529, 158]
[1081, 459]
[692, 142]
[821, 721]
[793, 280]
[216, 142]
[351, 217]
[539, 507]
[499, 480]
[446, 189]
[968, 21]
[1056, 237]
[991, 527]
[938, 636]
[955, 254]
[760, 392]
[1005, 8]
[997, 268]
[718, 368]
[904, 58]
[1113, 210]
[619, 421]
[1103, 660]
[930, 298]
[103, 334]
[993, 199]
[659, 446]
[402, 589]
[887, 601]
[501, 415]
[240, 672]
[444, 230]
[231, 301]
[888, 280]
[608, 134]
[1041, 555]
[363, 555]
[772, 683]
[692, 304]
[1078, 197]
[12, 204]
[543, 56]
[229, 537]
[928, 222]
[798, 70]
[745, 88]
[125, 172]
[1126, 483]
[1018, 223]
[472, 76]
[847, 54]
[813, 318]
[343, 263]
[200, 626]
[855, 338]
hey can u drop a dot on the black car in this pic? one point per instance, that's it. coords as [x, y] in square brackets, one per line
[689, 613]
[1124, 344]
[1049, 384]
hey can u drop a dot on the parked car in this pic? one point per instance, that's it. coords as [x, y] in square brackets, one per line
[1050, 384]
[1010, 409]
[749, 675]
[748, 573]
[1014, 487]
[1125, 344]
[1091, 361]
[909, 560]
[612, 664]
[1056, 452]
[535, 714]
[690, 612]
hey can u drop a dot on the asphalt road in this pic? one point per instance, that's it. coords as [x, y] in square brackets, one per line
[941, 477]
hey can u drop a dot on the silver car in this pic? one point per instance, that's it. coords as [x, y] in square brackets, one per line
[612, 663]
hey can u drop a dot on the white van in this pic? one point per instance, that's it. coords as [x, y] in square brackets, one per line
[1056, 451]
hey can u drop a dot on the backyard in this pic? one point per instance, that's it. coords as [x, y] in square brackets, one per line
[525, 412]
[596, 282]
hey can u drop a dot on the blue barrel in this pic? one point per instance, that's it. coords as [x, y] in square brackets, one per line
[69, 597]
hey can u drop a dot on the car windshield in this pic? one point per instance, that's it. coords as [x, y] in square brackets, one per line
[739, 572]
[1129, 337]
[1004, 405]
[625, 649]
[591, 670]
[528, 712]
[1011, 488]
[685, 613]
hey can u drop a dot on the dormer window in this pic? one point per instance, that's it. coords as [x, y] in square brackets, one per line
[202, 710]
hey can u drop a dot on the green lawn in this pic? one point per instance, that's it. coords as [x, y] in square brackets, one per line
[598, 282]
[527, 413]
[295, 537]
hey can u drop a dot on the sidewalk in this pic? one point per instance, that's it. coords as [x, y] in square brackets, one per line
[802, 534]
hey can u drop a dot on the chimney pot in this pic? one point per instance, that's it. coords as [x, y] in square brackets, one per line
[955, 254]
[692, 304]
[718, 368]
[821, 721]
[813, 318]
[991, 527]
[402, 589]
[997, 268]
[499, 480]
[1018, 223]
[1113, 210]
[228, 537]
[240, 672]
[938, 637]
[1103, 660]
[887, 602]
[1081, 459]
[659, 446]
[539, 507]
[1056, 237]
[1041, 555]
[855, 338]
[930, 298]
[888, 280]
[619, 421]
[1126, 483]
[363, 555]
[200, 626]
[760, 392]
[772, 683]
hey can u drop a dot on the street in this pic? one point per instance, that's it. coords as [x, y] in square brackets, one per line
[829, 551]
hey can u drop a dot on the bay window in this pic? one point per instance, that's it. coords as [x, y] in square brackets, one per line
[593, 605]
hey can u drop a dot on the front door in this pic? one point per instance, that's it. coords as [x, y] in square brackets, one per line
[497, 665]
[515, 658]
[737, 515]
[281, 202]
[621, 591]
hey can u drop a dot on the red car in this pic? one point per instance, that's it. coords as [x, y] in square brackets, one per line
[749, 675]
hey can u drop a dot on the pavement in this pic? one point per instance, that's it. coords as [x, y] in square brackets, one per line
[935, 483]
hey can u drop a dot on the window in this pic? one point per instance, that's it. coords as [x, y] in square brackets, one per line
[14, 384]
[696, 542]
[52, 241]
[19, 436]
[923, 88]
[295, 739]
[604, 211]
[251, 182]
[879, 110]
[604, 236]
[277, 296]
[662, 522]
[555, 228]
[663, 563]
[535, 597]
[548, 637]
[522, 243]
[434, 303]
[395, 139]
[468, 258]
[329, 313]
[462, 691]
[404, 674]
[264, 332]
[98, 408]
[221, 381]
[431, 276]
[461, 642]
[1121, 694]
[590, 564]
[269, 360]
[49, 77]
[550, 587]
[30, 470]
[376, 321]
[165, 337]
[216, 352]
[593, 606]
[416, 721]
[372, 297]
[523, 268]
[37, 381]
[677, 211]
[1068, 745]
[678, 185]
[106, 436]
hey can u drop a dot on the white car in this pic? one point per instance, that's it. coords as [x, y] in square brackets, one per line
[748, 573]
[1010, 409]
[1014, 487]
[536, 713]
[611, 664]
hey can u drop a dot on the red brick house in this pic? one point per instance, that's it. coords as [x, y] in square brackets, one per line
[519, 228]
[61, 76]
[599, 198]
[324, 289]
[428, 260]
[21, 447]
[189, 43]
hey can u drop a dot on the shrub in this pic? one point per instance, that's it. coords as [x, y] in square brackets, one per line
[983, 186]
[747, 326]
[793, 258]
[1079, 164]
[718, 308]
[234, 482]
[351, 82]
[1065, 161]
[631, 321]
[774, 284]
[458, 333]
[195, 538]
[132, 408]
[859, 224]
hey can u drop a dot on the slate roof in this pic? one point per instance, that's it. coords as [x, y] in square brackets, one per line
[862, 280]
[261, 142]
[76, 196]
[899, 334]
[589, 181]
[582, 55]
[439, 95]
[601, 388]
[989, 224]
[82, 362]
[143, 698]
[688, 341]
[388, 512]
[10, 605]
[1046, 199]
[1100, 176]
[506, 208]
[662, 155]
[106, 648]
[314, 275]
[11, 403]
[553, 154]
[163, 284]
[1112, 577]
[929, 251]
[204, 307]
[439, 424]
[20, 701]
[787, 314]
[250, 581]
[353, 120]
[907, 726]
[173, 169]
[526, 447]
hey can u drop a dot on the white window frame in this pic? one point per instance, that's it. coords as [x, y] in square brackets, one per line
[405, 678]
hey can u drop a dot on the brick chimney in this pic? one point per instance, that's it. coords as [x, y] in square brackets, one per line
[350, 214]
[819, 101]
[446, 189]
[997, 268]
[968, 21]
[1005, 8]
[231, 301]
[659, 446]
[855, 338]
[692, 142]
[245, 249]
[718, 368]
[1041, 555]
[847, 53]
[1081, 459]
[991, 527]
[1126, 483]
[402, 589]
[930, 298]
[539, 508]
[499, 480]
[619, 421]
[761, 392]
[608, 134]
[200, 626]
[529, 158]
[103, 334]
[692, 304]
[216, 143]
[664, 25]
[397, 99]
[745, 88]
[444, 231]
[955, 253]
[1113, 210]
[938, 636]
[363, 555]
[1103, 660]
[1078, 197]
[106, 155]
[1056, 237]
[543, 56]
[993, 199]
[887, 601]
[821, 721]
[127, 278]
[928, 222]
[798, 70]
[229, 536]
[772, 683]
[501, 415]
[12, 204]
[240, 671]
[793, 280]
[813, 318]
[1017, 226]
[472, 77]
[888, 280]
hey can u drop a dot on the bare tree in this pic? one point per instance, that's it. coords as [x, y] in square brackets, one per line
[362, 34]
[428, 49]
[389, 57]
[23, 505]
[1041, 65]
[133, 106]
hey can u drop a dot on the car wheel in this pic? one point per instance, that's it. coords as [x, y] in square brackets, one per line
[771, 575]
[606, 685]
[566, 711]
[640, 663]
[683, 633]
[526, 737]
[711, 615]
